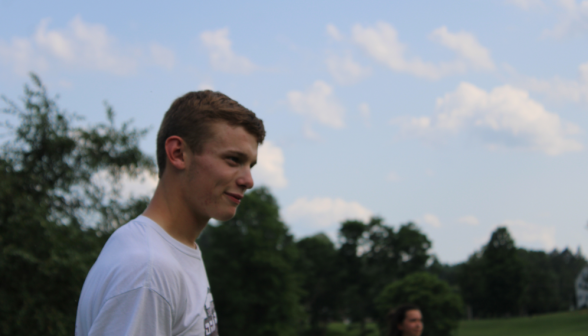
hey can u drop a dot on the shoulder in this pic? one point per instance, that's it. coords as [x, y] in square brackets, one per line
[128, 247]
[135, 256]
[136, 259]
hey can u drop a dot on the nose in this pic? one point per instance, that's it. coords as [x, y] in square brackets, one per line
[246, 179]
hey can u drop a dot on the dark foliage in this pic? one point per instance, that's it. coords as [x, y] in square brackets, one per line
[372, 256]
[316, 267]
[54, 216]
[503, 277]
[501, 280]
[249, 261]
[441, 306]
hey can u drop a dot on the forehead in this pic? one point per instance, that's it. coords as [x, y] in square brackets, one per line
[413, 314]
[228, 137]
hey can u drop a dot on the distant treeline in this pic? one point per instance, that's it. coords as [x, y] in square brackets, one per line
[266, 283]
[524, 282]
[55, 216]
[369, 270]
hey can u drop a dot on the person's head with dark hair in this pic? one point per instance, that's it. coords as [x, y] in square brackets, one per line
[206, 147]
[190, 117]
[405, 320]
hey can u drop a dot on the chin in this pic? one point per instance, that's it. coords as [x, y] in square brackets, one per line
[223, 217]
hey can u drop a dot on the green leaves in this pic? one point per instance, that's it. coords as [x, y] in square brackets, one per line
[317, 268]
[249, 261]
[502, 270]
[54, 216]
[441, 307]
[501, 280]
[491, 280]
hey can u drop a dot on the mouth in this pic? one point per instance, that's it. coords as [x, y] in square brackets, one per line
[235, 198]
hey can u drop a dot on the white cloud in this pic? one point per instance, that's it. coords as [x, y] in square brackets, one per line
[392, 177]
[320, 213]
[345, 70]
[574, 19]
[531, 235]
[142, 185]
[162, 56]
[20, 53]
[334, 33]
[79, 45]
[206, 86]
[382, 43]
[505, 116]
[364, 112]
[222, 56]
[318, 104]
[270, 166]
[309, 133]
[466, 46]
[87, 45]
[469, 220]
[562, 89]
[431, 220]
[526, 4]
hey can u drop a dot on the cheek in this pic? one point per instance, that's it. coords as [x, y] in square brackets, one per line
[218, 175]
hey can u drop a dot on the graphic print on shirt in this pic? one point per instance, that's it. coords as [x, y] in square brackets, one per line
[210, 322]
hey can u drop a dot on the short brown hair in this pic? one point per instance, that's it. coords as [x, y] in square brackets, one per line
[190, 116]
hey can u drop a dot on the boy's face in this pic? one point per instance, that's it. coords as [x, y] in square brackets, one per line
[412, 324]
[217, 178]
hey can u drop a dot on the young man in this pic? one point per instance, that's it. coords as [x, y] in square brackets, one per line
[149, 278]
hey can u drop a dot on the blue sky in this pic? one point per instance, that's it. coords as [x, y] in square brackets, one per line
[460, 116]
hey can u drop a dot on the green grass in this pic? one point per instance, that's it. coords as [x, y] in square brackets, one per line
[341, 329]
[565, 324]
[559, 324]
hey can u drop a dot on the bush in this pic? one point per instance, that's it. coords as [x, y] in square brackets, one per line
[440, 305]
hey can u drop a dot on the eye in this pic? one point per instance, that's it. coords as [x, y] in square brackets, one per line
[234, 159]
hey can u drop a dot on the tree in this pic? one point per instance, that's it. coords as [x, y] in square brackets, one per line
[547, 281]
[392, 255]
[491, 281]
[317, 269]
[54, 216]
[539, 283]
[441, 307]
[371, 256]
[353, 283]
[566, 265]
[249, 261]
[472, 284]
[503, 274]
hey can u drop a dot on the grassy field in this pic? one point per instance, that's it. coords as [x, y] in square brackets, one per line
[560, 324]
[564, 324]
[340, 329]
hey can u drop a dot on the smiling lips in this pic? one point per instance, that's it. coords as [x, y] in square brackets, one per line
[235, 198]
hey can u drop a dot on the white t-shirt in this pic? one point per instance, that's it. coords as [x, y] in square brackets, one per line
[146, 283]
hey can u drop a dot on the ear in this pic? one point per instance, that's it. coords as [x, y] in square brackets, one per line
[175, 150]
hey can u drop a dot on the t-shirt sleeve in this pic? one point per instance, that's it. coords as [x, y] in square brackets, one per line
[141, 311]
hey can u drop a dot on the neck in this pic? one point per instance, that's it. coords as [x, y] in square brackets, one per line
[168, 211]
